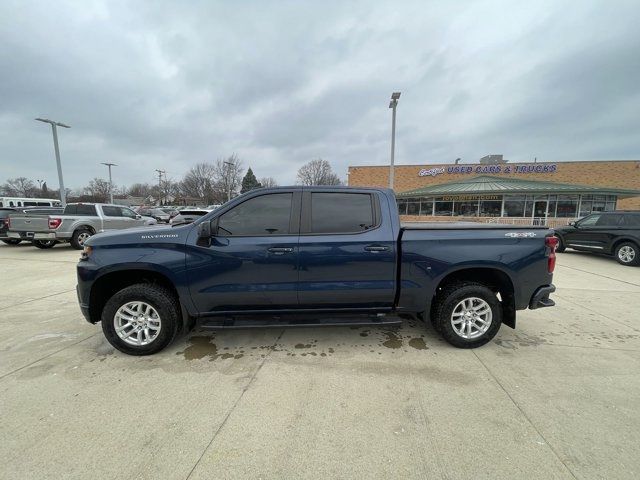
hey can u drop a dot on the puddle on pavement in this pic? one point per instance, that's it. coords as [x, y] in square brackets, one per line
[207, 346]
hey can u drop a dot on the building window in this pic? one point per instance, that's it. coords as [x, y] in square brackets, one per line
[402, 207]
[443, 209]
[490, 208]
[466, 208]
[567, 206]
[413, 208]
[514, 206]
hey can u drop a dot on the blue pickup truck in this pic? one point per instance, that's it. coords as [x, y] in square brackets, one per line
[310, 256]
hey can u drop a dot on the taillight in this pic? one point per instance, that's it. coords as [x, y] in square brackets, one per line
[54, 222]
[551, 243]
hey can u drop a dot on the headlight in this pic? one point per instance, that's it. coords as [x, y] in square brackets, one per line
[86, 253]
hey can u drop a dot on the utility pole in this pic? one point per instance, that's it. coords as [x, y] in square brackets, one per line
[160, 173]
[63, 193]
[393, 104]
[110, 182]
[229, 165]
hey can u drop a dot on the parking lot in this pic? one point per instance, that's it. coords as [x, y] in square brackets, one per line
[557, 398]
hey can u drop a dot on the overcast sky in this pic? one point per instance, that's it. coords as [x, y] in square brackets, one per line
[167, 84]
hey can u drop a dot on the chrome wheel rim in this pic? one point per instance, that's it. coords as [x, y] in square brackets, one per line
[137, 323]
[626, 254]
[471, 318]
[83, 237]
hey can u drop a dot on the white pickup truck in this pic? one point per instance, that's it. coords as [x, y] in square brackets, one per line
[78, 222]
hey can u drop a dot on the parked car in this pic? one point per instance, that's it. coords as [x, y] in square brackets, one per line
[76, 224]
[612, 233]
[154, 212]
[312, 255]
[172, 212]
[188, 216]
[5, 219]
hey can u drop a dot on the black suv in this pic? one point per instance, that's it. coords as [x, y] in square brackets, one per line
[611, 233]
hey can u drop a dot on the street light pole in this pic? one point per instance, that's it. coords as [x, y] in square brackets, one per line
[229, 165]
[110, 182]
[393, 104]
[63, 193]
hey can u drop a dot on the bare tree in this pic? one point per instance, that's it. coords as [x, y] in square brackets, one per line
[19, 187]
[199, 182]
[140, 190]
[98, 190]
[268, 182]
[228, 176]
[317, 172]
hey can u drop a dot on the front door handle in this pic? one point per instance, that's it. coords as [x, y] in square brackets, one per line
[376, 248]
[280, 250]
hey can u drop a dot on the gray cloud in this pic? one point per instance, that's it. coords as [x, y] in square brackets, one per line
[165, 85]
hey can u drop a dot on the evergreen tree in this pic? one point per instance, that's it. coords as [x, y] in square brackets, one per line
[249, 182]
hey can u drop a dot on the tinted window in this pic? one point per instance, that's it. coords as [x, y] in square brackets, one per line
[589, 221]
[127, 212]
[609, 220]
[631, 220]
[263, 215]
[112, 211]
[341, 212]
[89, 210]
[70, 209]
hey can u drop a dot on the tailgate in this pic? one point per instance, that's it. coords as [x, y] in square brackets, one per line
[24, 223]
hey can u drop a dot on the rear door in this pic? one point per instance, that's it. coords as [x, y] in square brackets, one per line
[347, 251]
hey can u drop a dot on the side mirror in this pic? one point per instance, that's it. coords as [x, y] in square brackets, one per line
[204, 230]
[138, 217]
[572, 224]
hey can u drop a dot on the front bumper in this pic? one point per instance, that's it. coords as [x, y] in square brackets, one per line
[32, 236]
[540, 298]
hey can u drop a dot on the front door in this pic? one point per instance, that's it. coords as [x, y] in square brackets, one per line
[347, 251]
[251, 262]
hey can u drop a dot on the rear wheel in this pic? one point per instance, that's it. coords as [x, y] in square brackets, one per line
[79, 237]
[627, 254]
[11, 241]
[467, 314]
[44, 244]
[141, 319]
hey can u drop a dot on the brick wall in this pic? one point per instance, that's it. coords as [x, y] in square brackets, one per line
[617, 174]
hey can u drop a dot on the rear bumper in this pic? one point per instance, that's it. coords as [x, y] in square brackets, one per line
[32, 236]
[540, 298]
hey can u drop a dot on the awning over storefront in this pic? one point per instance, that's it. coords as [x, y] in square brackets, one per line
[486, 185]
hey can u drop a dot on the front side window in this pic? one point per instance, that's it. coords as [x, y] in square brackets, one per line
[589, 221]
[125, 212]
[342, 212]
[258, 216]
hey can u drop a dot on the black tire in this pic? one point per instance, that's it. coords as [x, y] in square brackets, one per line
[628, 254]
[79, 237]
[11, 241]
[450, 297]
[161, 299]
[560, 248]
[44, 244]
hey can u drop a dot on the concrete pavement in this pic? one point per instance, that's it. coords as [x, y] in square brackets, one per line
[557, 398]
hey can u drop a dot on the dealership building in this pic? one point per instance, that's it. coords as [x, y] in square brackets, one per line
[505, 192]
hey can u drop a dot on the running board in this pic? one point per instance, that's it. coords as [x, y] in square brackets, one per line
[302, 320]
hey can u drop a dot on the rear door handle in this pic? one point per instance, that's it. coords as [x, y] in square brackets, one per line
[376, 248]
[280, 250]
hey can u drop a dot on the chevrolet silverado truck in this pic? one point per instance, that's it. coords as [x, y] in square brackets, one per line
[75, 225]
[312, 256]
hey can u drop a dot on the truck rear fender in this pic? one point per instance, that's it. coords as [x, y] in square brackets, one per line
[494, 278]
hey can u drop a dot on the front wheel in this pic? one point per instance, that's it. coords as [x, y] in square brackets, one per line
[141, 319]
[11, 241]
[44, 244]
[560, 247]
[467, 314]
[627, 254]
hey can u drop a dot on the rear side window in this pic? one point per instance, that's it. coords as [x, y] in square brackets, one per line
[112, 211]
[258, 216]
[610, 220]
[341, 212]
[631, 220]
[89, 210]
